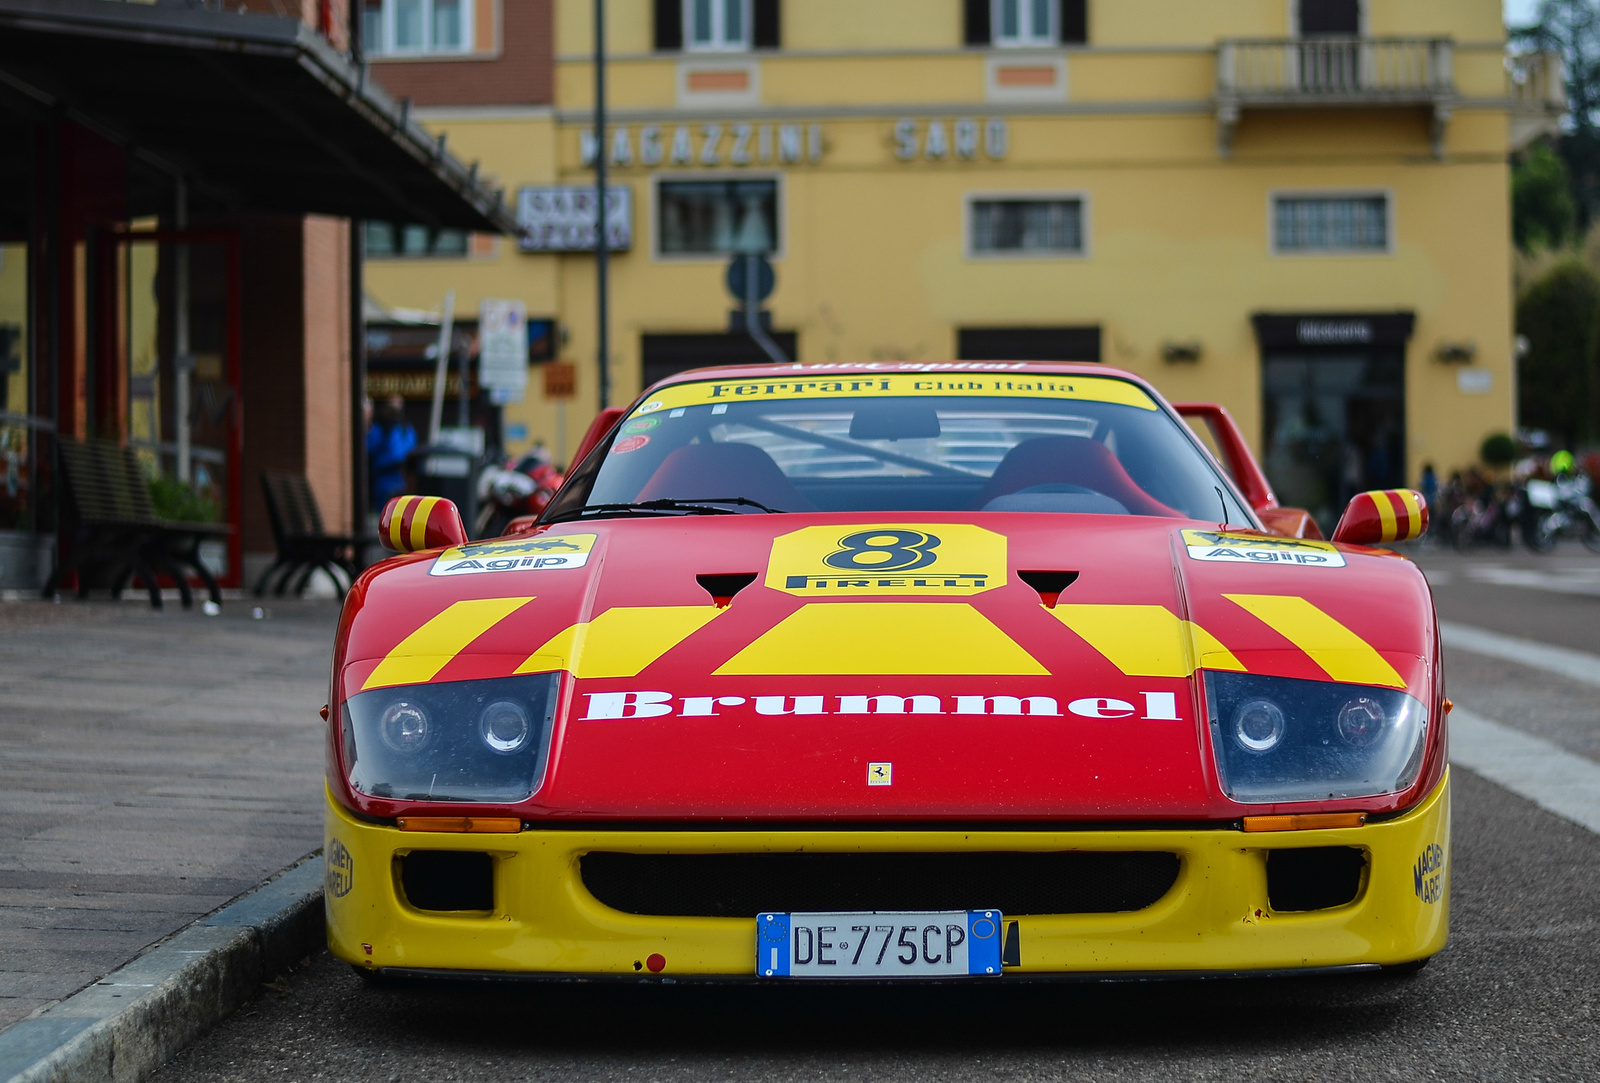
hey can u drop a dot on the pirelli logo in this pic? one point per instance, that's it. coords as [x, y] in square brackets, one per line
[888, 558]
[975, 581]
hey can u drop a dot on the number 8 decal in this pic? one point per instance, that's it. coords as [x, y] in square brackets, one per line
[884, 551]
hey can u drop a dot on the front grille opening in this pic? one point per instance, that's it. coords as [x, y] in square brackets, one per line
[743, 885]
[1314, 877]
[447, 880]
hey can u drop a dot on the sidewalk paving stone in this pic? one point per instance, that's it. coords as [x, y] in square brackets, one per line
[153, 765]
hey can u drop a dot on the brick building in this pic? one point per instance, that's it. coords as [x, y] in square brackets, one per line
[176, 261]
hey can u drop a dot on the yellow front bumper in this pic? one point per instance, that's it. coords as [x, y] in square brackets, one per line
[1214, 918]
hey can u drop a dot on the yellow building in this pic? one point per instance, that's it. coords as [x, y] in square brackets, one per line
[1297, 208]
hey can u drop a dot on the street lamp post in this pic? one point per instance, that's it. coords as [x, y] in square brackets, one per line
[602, 248]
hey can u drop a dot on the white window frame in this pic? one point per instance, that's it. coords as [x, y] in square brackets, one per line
[1030, 36]
[719, 39]
[1386, 194]
[968, 199]
[388, 50]
[657, 179]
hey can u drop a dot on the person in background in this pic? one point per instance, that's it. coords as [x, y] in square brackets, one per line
[1430, 487]
[390, 439]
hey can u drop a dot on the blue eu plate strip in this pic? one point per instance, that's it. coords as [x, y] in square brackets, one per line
[772, 945]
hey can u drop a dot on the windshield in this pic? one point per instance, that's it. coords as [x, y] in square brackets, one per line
[958, 442]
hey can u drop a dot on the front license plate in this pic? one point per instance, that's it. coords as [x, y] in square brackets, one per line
[916, 944]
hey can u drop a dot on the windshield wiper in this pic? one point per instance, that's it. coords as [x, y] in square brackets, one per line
[663, 506]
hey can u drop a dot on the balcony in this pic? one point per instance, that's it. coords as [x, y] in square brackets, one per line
[1311, 73]
[1537, 88]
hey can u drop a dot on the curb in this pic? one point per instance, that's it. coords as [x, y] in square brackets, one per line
[131, 1022]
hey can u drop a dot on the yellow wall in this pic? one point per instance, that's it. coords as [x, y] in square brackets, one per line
[873, 263]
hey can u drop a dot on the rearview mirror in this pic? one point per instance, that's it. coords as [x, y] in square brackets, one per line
[409, 523]
[1382, 516]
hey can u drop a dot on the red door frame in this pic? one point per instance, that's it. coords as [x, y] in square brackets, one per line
[232, 361]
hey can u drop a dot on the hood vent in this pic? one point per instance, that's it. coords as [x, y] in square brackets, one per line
[1048, 584]
[724, 586]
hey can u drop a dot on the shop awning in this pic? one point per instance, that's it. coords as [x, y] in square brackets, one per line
[258, 112]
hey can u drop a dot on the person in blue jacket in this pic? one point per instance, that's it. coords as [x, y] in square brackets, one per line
[390, 439]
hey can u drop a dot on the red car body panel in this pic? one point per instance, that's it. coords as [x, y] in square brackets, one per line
[1135, 748]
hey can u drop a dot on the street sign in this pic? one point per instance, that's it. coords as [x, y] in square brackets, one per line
[560, 380]
[561, 218]
[503, 349]
[737, 280]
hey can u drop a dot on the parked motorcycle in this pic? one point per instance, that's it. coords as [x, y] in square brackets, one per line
[1560, 509]
[515, 488]
[1485, 518]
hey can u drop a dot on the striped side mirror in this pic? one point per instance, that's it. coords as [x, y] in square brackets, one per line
[1383, 516]
[410, 523]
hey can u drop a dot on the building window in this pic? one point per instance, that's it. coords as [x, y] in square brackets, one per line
[416, 27]
[385, 240]
[1024, 22]
[1330, 223]
[714, 217]
[716, 25]
[1041, 227]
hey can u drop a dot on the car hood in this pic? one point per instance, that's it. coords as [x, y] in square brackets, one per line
[898, 667]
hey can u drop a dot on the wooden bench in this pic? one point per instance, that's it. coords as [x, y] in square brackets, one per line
[111, 532]
[304, 545]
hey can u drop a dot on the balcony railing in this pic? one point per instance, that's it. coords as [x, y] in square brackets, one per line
[1537, 88]
[1312, 72]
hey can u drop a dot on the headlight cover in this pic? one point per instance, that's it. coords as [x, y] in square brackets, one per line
[479, 741]
[1281, 739]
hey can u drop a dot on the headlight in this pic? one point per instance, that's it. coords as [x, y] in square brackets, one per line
[1280, 739]
[481, 741]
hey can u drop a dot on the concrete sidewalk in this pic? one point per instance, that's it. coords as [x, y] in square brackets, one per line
[152, 767]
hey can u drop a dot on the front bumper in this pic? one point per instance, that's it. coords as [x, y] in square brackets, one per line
[1215, 918]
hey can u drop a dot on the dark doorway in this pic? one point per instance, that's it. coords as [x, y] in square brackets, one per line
[668, 355]
[1028, 344]
[1330, 18]
[1333, 426]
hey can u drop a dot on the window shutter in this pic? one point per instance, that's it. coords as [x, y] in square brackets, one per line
[976, 22]
[766, 25]
[669, 25]
[1074, 22]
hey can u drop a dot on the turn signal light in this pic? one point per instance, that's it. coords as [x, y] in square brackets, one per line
[479, 825]
[1305, 821]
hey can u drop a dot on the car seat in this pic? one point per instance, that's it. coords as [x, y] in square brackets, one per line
[703, 471]
[1070, 460]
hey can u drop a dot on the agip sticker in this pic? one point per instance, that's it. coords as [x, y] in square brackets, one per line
[517, 555]
[917, 559]
[1230, 547]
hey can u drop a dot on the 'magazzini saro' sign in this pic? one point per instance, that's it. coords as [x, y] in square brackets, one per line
[739, 144]
[708, 144]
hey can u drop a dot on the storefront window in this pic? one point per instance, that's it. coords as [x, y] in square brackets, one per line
[385, 240]
[1334, 426]
[716, 217]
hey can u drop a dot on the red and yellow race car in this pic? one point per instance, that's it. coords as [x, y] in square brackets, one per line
[877, 671]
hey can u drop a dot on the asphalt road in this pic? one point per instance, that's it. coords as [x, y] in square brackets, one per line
[1516, 995]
